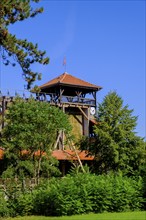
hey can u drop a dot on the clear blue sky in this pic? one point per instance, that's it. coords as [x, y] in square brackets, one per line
[103, 41]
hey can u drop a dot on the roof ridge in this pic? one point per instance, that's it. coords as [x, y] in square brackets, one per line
[84, 81]
[65, 73]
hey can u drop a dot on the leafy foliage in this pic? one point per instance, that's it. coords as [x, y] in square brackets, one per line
[23, 52]
[116, 146]
[84, 193]
[29, 137]
[4, 211]
[77, 194]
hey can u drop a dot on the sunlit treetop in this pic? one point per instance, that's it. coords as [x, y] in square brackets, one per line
[22, 52]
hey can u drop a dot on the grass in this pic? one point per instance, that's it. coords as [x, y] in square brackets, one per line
[104, 216]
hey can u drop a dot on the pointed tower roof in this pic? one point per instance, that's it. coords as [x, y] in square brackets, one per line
[66, 79]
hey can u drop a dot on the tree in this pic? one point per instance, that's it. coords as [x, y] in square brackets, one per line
[29, 137]
[23, 52]
[116, 145]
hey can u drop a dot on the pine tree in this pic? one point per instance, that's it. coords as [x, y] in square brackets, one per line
[116, 145]
[23, 52]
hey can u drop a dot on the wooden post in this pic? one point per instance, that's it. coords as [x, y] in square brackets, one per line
[62, 136]
[94, 96]
[3, 110]
[63, 167]
[57, 141]
[78, 157]
[85, 121]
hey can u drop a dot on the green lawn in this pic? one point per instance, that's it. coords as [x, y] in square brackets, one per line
[105, 216]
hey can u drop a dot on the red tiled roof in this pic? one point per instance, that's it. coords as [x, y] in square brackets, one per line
[70, 155]
[67, 79]
[1, 153]
[59, 154]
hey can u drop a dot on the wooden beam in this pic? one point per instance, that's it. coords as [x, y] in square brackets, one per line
[59, 135]
[72, 147]
[83, 113]
[76, 153]
[78, 93]
[3, 110]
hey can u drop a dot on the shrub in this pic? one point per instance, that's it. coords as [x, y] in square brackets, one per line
[4, 211]
[83, 193]
[77, 194]
[24, 204]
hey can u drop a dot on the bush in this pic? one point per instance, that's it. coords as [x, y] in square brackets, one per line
[14, 200]
[61, 197]
[77, 194]
[4, 211]
[24, 204]
[85, 193]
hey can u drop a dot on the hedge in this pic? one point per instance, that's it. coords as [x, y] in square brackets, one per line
[77, 194]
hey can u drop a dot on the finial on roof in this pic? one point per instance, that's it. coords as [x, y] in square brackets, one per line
[64, 63]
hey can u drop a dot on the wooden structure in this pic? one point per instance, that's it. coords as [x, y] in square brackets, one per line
[76, 97]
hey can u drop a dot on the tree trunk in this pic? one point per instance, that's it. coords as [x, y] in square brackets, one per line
[38, 169]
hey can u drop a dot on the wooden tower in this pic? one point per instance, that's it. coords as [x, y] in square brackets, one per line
[76, 97]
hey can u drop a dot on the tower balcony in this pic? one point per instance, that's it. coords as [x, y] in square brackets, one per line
[53, 98]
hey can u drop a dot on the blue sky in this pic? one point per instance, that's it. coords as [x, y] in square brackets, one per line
[103, 41]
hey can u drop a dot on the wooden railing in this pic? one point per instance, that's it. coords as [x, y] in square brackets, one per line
[76, 99]
[52, 98]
